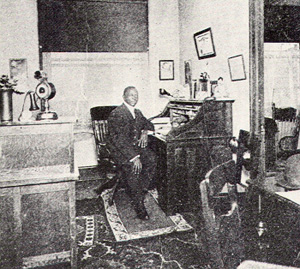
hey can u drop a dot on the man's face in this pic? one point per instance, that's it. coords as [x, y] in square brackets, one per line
[131, 97]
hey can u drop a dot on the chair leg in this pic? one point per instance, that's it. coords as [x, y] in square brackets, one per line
[107, 185]
[114, 191]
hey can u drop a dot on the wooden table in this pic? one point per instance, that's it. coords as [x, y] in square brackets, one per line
[37, 194]
[280, 242]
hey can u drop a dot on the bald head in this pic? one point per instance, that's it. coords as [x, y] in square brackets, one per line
[131, 96]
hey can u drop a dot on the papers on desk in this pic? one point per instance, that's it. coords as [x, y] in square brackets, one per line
[161, 120]
[291, 195]
[162, 125]
[163, 131]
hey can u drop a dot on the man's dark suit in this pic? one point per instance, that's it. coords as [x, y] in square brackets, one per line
[124, 133]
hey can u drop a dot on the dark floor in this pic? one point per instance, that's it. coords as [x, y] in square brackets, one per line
[176, 250]
[181, 250]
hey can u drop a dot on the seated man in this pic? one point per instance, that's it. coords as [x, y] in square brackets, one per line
[128, 135]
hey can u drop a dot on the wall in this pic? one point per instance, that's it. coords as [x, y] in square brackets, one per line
[163, 45]
[19, 39]
[229, 21]
[85, 80]
[99, 78]
[107, 80]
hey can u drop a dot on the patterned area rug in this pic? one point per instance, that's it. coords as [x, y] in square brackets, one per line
[97, 248]
[126, 226]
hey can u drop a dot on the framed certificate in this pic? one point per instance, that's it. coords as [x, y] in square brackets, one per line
[204, 44]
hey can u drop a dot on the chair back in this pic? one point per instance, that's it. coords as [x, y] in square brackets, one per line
[99, 116]
[288, 126]
[219, 242]
[285, 119]
[219, 176]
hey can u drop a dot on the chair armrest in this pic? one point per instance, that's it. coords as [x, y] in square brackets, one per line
[288, 143]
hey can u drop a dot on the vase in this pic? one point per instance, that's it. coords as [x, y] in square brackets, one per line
[203, 85]
[6, 108]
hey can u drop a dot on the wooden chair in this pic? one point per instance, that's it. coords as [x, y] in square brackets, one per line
[288, 130]
[99, 116]
[288, 145]
[223, 226]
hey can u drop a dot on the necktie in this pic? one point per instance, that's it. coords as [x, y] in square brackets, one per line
[135, 112]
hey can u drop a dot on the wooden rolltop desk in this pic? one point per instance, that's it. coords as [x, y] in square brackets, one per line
[185, 147]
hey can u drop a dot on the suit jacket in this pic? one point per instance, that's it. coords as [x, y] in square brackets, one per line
[125, 131]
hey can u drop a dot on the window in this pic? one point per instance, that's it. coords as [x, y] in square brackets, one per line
[93, 25]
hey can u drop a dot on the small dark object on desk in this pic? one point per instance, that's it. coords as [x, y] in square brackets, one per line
[164, 92]
[181, 119]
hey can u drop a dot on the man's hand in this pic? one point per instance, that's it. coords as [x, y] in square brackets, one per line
[137, 165]
[143, 141]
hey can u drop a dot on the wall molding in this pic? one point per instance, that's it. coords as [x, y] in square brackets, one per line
[65, 58]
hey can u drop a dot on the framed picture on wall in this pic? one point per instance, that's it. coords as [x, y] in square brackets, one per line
[18, 69]
[166, 70]
[204, 44]
[237, 68]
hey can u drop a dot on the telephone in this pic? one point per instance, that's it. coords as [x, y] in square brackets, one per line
[44, 91]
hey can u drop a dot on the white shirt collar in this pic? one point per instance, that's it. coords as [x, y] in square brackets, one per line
[131, 109]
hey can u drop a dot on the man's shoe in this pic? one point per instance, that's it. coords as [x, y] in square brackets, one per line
[141, 212]
[143, 215]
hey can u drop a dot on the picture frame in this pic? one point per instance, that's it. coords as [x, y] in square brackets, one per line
[18, 69]
[204, 44]
[166, 70]
[237, 68]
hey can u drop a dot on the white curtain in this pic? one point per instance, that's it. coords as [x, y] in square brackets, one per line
[281, 74]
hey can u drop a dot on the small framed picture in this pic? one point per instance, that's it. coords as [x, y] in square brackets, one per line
[166, 70]
[237, 67]
[204, 44]
[18, 69]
